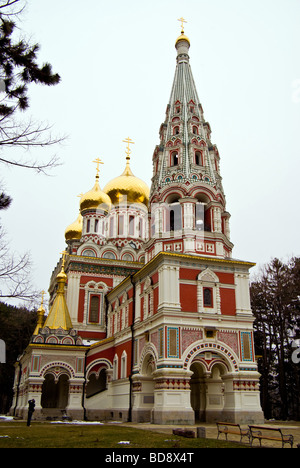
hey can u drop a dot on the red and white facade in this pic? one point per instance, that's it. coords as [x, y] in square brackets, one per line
[161, 307]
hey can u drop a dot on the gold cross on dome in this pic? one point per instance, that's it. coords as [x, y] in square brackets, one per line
[42, 300]
[98, 162]
[182, 20]
[64, 253]
[129, 142]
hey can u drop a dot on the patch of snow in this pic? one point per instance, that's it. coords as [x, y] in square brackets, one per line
[76, 422]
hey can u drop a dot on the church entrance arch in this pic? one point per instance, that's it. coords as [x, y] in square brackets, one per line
[144, 387]
[208, 389]
[148, 367]
[55, 391]
[198, 391]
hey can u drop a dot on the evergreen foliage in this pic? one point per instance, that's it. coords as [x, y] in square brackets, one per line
[18, 68]
[17, 325]
[275, 301]
[5, 201]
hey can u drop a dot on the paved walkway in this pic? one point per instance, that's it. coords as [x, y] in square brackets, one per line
[292, 427]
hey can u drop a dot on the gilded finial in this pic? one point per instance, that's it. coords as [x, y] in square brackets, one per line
[42, 300]
[182, 20]
[98, 162]
[40, 315]
[64, 253]
[128, 150]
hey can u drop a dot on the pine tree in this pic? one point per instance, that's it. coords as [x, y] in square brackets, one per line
[18, 68]
[275, 299]
[5, 201]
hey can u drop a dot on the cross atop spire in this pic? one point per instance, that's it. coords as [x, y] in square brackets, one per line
[64, 253]
[42, 299]
[98, 162]
[128, 150]
[182, 20]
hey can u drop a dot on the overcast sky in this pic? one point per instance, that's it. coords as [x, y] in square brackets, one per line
[117, 61]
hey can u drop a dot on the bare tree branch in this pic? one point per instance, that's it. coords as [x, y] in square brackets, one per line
[15, 269]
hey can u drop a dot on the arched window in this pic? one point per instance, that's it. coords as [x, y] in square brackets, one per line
[176, 130]
[88, 253]
[174, 158]
[173, 217]
[121, 225]
[199, 217]
[198, 158]
[111, 227]
[195, 130]
[207, 297]
[127, 257]
[131, 225]
[94, 309]
[115, 367]
[109, 255]
[140, 227]
[124, 365]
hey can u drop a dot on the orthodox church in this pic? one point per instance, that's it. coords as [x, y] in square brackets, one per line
[149, 314]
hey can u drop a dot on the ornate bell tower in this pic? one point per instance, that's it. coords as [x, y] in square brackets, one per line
[188, 206]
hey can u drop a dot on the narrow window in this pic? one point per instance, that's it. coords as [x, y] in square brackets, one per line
[115, 368]
[199, 217]
[94, 309]
[175, 222]
[171, 220]
[96, 225]
[174, 158]
[121, 225]
[88, 225]
[207, 297]
[111, 227]
[123, 365]
[131, 225]
[198, 158]
[140, 228]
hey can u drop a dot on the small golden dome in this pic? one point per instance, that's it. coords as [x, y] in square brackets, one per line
[182, 37]
[128, 188]
[95, 199]
[74, 230]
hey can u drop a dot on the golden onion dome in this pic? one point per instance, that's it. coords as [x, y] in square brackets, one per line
[95, 198]
[127, 188]
[74, 230]
[182, 37]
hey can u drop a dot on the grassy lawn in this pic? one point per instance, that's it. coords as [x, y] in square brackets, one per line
[46, 435]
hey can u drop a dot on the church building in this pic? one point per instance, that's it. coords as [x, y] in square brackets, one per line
[149, 315]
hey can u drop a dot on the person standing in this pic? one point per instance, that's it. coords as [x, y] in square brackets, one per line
[31, 406]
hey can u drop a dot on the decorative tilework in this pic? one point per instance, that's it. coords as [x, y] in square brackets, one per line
[246, 346]
[173, 342]
[35, 363]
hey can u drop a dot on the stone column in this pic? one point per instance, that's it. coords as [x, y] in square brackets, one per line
[172, 397]
[74, 408]
[242, 398]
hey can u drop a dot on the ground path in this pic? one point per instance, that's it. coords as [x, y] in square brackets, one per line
[290, 427]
